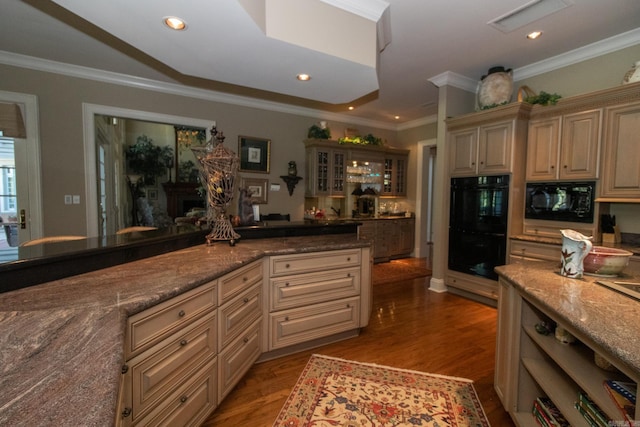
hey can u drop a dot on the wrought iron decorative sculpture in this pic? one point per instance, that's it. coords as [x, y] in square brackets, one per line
[218, 168]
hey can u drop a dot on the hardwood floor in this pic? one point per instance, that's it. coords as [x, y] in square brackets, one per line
[411, 328]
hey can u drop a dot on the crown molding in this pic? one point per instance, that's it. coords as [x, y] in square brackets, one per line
[449, 78]
[45, 65]
[593, 50]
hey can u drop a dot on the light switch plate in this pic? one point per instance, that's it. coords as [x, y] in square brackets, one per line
[68, 199]
[76, 199]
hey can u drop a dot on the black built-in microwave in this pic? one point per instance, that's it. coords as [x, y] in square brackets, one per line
[560, 201]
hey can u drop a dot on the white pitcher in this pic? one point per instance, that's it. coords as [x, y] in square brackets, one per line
[575, 247]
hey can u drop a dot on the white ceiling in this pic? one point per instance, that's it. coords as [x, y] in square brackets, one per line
[227, 51]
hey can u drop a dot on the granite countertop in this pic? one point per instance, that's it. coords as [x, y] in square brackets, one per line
[606, 317]
[63, 341]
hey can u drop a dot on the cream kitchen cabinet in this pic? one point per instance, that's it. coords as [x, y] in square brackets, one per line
[530, 364]
[564, 147]
[240, 299]
[621, 166]
[326, 169]
[488, 142]
[316, 295]
[534, 251]
[170, 368]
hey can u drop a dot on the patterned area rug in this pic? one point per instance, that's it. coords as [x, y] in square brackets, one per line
[399, 270]
[336, 392]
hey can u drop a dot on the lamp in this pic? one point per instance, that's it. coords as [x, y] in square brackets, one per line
[11, 123]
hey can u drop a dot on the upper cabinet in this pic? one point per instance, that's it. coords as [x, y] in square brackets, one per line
[327, 160]
[563, 147]
[325, 171]
[621, 167]
[483, 143]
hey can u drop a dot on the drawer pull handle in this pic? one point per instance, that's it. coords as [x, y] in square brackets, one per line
[348, 274]
[184, 399]
[181, 313]
[349, 258]
[245, 278]
[126, 412]
[286, 284]
[245, 300]
[183, 343]
[348, 306]
[286, 319]
[245, 340]
[286, 266]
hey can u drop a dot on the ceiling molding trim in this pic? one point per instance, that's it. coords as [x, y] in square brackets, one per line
[599, 48]
[418, 122]
[45, 65]
[449, 78]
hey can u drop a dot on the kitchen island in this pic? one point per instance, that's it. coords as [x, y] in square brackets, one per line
[63, 341]
[530, 364]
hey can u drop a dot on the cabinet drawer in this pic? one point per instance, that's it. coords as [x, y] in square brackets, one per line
[314, 261]
[538, 251]
[474, 284]
[156, 373]
[151, 326]
[294, 326]
[311, 288]
[238, 314]
[236, 359]
[553, 230]
[236, 282]
[191, 404]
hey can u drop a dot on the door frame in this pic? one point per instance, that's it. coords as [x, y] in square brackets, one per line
[29, 182]
[90, 167]
[424, 197]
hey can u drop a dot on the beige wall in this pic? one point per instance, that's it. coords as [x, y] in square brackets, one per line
[60, 100]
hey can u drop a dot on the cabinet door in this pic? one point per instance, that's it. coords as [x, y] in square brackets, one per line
[463, 152]
[507, 349]
[580, 145]
[621, 171]
[337, 172]
[400, 175]
[494, 148]
[321, 172]
[542, 149]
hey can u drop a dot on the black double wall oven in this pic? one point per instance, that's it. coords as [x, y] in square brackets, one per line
[478, 224]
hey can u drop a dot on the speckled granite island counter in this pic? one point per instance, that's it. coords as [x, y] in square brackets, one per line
[61, 342]
[530, 364]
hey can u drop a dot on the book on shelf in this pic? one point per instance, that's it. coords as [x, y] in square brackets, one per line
[540, 415]
[591, 411]
[550, 412]
[624, 396]
[585, 414]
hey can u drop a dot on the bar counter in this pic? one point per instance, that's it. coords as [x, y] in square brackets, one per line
[62, 341]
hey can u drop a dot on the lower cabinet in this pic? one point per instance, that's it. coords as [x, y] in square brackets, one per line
[185, 355]
[530, 364]
[533, 251]
[392, 238]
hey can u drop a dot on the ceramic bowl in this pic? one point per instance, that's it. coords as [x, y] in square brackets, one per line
[604, 261]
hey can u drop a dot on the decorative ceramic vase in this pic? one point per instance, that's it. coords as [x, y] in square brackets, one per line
[495, 88]
[633, 75]
[575, 247]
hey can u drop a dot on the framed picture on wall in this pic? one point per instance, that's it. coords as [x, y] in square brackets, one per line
[255, 154]
[258, 189]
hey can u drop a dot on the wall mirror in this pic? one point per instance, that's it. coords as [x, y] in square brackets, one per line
[110, 182]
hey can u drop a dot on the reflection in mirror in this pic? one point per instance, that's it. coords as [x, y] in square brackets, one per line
[146, 173]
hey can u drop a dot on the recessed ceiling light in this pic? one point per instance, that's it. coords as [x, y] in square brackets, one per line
[534, 35]
[303, 77]
[396, 117]
[351, 107]
[175, 23]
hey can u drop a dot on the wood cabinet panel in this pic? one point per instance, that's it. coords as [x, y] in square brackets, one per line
[463, 152]
[621, 167]
[289, 327]
[238, 281]
[236, 359]
[580, 145]
[313, 261]
[191, 404]
[238, 314]
[543, 142]
[292, 291]
[494, 148]
[155, 324]
[156, 373]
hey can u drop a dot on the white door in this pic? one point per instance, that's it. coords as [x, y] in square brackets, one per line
[21, 207]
